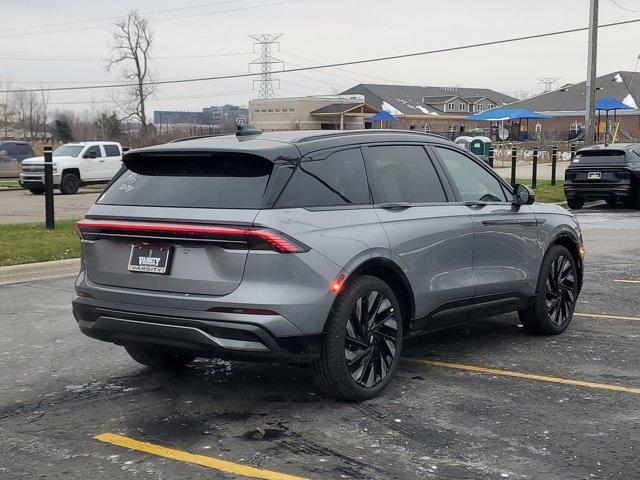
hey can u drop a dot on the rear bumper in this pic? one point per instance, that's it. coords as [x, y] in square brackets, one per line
[190, 332]
[598, 192]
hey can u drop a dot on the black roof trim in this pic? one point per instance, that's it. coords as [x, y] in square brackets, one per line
[348, 133]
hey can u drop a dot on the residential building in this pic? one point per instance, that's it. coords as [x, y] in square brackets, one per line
[344, 112]
[567, 107]
[434, 109]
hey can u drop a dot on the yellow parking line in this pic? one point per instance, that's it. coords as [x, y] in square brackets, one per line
[215, 463]
[627, 281]
[528, 376]
[604, 315]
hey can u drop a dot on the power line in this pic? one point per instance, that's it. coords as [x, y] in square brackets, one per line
[218, 12]
[162, 99]
[333, 65]
[624, 8]
[101, 19]
[94, 59]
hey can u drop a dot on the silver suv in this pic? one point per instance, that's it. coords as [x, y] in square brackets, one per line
[319, 247]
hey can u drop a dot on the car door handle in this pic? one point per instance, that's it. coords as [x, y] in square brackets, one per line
[100, 161]
[475, 205]
[396, 205]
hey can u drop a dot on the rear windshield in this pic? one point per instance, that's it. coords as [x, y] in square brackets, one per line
[221, 180]
[600, 157]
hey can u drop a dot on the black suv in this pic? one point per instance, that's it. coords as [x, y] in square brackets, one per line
[604, 172]
[11, 154]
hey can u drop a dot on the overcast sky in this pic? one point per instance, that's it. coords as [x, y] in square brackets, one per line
[314, 31]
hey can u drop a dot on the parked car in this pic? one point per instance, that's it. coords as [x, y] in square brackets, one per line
[74, 165]
[604, 172]
[11, 154]
[320, 247]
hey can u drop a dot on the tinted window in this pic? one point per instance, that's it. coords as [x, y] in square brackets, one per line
[474, 182]
[24, 149]
[222, 180]
[10, 148]
[402, 173]
[339, 179]
[94, 148]
[111, 150]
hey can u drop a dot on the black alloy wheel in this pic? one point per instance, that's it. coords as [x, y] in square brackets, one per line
[560, 291]
[371, 339]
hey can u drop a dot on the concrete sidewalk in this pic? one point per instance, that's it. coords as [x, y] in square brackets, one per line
[39, 271]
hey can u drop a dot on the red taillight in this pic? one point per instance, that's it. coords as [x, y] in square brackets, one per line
[276, 240]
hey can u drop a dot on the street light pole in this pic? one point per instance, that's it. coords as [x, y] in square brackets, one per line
[590, 94]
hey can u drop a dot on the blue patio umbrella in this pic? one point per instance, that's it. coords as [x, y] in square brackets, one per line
[502, 114]
[610, 103]
[607, 104]
[508, 114]
[383, 117]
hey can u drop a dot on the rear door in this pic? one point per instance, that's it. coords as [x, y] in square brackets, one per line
[431, 238]
[214, 190]
[506, 250]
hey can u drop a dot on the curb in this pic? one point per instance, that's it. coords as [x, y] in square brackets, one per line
[29, 272]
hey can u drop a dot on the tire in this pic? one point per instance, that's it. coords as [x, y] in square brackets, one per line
[69, 183]
[37, 190]
[575, 203]
[374, 347]
[551, 310]
[158, 360]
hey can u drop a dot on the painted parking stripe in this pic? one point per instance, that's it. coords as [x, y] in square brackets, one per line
[527, 376]
[626, 281]
[211, 462]
[605, 316]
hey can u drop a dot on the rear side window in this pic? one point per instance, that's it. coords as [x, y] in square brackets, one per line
[402, 173]
[11, 148]
[220, 180]
[338, 179]
[111, 150]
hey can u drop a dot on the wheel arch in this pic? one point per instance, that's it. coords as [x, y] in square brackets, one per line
[74, 170]
[389, 272]
[572, 244]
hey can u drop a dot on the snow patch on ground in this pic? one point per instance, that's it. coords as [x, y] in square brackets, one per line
[618, 78]
[391, 109]
[630, 102]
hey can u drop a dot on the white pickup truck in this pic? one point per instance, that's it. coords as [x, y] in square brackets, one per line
[74, 165]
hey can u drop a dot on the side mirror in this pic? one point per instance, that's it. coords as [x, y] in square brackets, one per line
[524, 195]
[90, 154]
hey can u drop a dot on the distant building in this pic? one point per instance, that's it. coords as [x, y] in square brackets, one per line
[434, 109]
[567, 106]
[209, 116]
[344, 112]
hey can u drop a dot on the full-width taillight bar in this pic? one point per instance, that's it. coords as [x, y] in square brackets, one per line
[274, 239]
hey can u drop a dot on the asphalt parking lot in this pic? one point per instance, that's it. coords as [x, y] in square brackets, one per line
[26, 207]
[485, 401]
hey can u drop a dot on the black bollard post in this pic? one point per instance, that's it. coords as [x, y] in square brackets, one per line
[49, 219]
[573, 151]
[534, 173]
[491, 157]
[554, 164]
[514, 159]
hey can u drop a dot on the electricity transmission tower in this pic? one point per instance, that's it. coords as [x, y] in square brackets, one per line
[549, 83]
[266, 41]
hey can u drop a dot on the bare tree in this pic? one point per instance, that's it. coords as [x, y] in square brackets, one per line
[31, 110]
[6, 108]
[132, 39]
